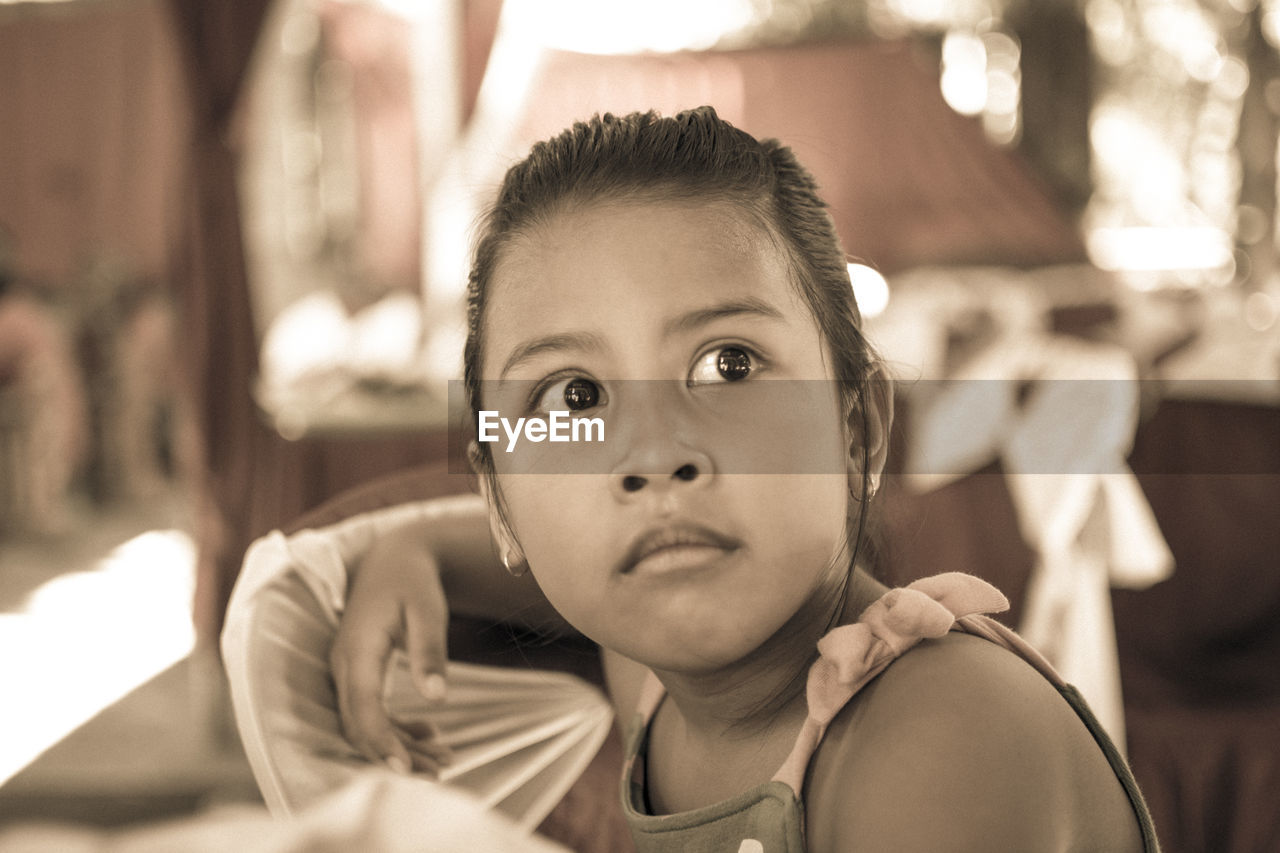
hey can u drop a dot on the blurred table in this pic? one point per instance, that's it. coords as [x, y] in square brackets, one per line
[330, 436]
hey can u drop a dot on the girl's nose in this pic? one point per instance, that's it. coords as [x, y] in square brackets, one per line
[664, 449]
[661, 466]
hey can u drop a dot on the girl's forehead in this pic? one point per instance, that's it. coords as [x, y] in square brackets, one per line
[640, 280]
[654, 224]
[640, 249]
[632, 268]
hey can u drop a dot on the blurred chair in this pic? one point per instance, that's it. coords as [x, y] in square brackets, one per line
[44, 430]
[1059, 414]
[1199, 653]
[12, 432]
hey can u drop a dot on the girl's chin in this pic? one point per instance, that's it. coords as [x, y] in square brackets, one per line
[691, 657]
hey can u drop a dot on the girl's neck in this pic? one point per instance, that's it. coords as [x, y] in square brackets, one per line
[765, 691]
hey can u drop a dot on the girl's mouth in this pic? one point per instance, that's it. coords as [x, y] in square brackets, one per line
[675, 546]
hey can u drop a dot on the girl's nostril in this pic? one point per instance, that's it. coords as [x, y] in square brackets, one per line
[686, 472]
[633, 484]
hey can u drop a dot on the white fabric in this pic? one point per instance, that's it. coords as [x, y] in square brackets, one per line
[377, 810]
[520, 737]
[1078, 504]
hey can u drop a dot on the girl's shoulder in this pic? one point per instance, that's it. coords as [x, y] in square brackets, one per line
[960, 744]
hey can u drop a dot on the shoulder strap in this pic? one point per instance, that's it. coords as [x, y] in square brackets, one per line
[651, 695]
[1002, 635]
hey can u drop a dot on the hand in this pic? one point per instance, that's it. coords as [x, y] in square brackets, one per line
[395, 598]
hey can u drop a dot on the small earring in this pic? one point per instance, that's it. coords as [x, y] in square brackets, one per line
[870, 487]
[513, 561]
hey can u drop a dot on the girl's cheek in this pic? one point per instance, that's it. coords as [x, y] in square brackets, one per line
[775, 427]
[560, 447]
[549, 514]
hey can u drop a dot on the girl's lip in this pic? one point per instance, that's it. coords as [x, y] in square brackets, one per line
[674, 536]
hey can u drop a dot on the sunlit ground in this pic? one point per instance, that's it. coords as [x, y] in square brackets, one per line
[87, 638]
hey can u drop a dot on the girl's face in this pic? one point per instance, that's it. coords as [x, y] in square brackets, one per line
[716, 505]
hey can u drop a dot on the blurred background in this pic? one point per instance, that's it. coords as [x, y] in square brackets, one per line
[233, 247]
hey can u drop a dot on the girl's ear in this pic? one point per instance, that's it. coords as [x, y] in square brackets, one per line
[504, 540]
[869, 430]
[475, 458]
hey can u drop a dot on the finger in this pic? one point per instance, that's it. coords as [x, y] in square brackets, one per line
[439, 754]
[421, 757]
[425, 736]
[358, 678]
[430, 754]
[426, 764]
[420, 729]
[426, 645]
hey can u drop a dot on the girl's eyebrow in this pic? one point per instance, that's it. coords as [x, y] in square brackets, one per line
[748, 306]
[735, 308]
[551, 343]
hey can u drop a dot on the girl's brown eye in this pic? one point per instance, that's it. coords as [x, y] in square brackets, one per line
[725, 364]
[581, 394]
[574, 395]
[733, 364]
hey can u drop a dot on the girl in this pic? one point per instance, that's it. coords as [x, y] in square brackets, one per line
[737, 629]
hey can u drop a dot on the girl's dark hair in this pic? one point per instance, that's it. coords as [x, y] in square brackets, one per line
[694, 156]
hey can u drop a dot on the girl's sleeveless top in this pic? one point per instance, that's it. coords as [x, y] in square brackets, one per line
[770, 817]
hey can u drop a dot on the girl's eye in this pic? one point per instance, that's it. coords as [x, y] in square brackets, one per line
[726, 364]
[581, 394]
[573, 395]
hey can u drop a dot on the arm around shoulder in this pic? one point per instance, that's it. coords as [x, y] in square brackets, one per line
[420, 564]
[449, 539]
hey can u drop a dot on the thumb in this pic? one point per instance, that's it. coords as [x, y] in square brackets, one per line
[425, 644]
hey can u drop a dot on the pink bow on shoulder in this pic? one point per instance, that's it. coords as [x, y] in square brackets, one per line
[852, 655]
